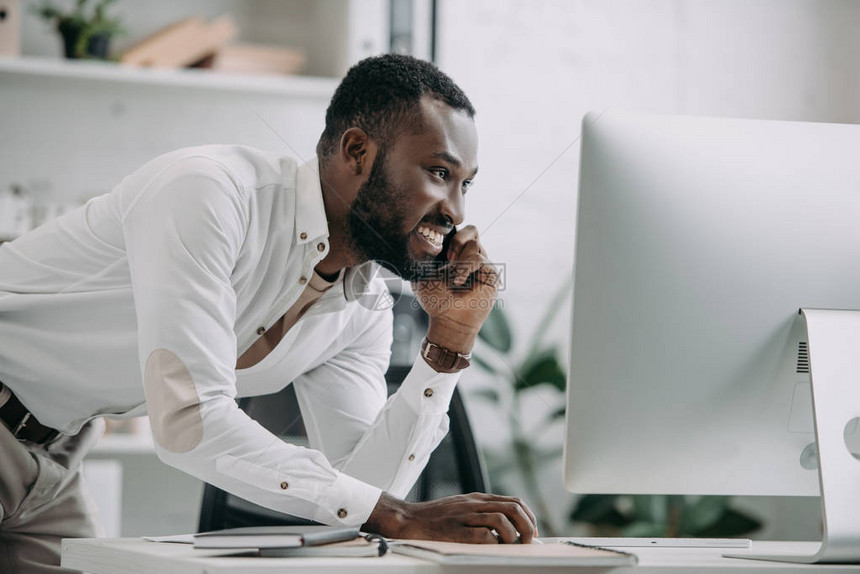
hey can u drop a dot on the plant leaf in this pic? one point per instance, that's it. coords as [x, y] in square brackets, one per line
[484, 364]
[551, 313]
[652, 508]
[643, 507]
[502, 467]
[704, 513]
[642, 528]
[499, 462]
[491, 395]
[613, 519]
[593, 508]
[731, 523]
[542, 367]
[542, 457]
[496, 331]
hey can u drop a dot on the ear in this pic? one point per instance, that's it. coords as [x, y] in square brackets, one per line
[357, 150]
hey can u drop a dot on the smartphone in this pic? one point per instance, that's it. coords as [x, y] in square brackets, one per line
[444, 272]
[446, 243]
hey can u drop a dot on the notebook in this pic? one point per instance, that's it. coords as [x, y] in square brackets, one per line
[365, 546]
[274, 537]
[549, 554]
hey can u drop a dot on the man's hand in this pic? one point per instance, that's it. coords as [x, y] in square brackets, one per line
[474, 518]
[457, 311]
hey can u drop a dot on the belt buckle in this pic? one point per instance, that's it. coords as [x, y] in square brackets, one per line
[21, 424]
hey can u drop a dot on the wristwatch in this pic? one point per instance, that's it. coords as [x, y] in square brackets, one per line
[443, 360]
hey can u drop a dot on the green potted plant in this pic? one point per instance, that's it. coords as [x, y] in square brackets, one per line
[85, 35]
[539, 370]
[666, 516]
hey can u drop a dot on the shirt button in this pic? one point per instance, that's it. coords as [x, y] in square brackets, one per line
[341, 513]
[411, 457]
[428, 393]
[320, 246]
[303, 280]
[261, 330]
[285, 485]
[303, 235]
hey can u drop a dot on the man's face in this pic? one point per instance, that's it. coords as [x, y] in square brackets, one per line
[414, 194]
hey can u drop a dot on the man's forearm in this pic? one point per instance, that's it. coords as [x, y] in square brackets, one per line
[388, 517]
[472, 518]
[452, 335]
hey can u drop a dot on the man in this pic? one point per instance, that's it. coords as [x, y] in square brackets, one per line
[224, 271]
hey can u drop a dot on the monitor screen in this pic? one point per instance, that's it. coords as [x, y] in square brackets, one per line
[697, 242]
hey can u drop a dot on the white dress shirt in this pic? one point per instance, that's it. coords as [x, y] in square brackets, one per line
[168, 279]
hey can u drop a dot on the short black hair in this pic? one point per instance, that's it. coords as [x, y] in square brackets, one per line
[381, 95]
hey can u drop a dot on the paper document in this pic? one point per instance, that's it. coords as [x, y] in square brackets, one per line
[176, 538]
[274, 537]
[360, 547]
[551, 554]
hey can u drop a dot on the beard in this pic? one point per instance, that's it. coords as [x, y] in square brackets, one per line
[376, 223]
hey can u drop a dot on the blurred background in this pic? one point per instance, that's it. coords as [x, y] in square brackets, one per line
[90, 92]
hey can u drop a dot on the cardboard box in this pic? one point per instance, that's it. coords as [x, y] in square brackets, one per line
[10, 27]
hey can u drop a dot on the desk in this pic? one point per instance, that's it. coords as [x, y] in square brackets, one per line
[135, 556]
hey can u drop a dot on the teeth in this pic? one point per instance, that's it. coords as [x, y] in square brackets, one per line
[431, 234]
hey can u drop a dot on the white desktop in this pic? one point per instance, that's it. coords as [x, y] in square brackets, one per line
[698, 242]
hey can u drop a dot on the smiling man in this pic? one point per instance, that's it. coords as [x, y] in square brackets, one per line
[224, 271]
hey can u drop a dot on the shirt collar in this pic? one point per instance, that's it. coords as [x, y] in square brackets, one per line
[311, 221]
[312, 225]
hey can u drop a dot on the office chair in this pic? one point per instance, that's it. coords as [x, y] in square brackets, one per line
[455, 467]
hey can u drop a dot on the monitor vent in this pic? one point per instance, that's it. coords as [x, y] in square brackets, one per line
[802, 357]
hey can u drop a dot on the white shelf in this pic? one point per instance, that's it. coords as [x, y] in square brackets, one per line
[110, 72]
[119, 444]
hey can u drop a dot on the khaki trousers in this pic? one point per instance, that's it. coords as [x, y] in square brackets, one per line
[43, 500]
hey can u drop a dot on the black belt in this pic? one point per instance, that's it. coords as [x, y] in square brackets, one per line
[22, 424]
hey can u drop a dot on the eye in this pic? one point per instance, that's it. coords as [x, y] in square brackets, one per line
[466, 185]
[440, 172]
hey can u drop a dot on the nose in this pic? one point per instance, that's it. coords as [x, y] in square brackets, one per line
[453, 207]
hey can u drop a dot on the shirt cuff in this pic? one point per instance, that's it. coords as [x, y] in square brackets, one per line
[427, 391]
[348, 503]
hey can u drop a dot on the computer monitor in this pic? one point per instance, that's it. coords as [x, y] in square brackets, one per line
[697, 242]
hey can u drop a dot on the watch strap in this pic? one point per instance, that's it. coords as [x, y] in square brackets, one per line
[444, 360]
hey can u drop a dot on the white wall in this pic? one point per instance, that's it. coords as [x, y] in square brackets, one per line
[533, 68]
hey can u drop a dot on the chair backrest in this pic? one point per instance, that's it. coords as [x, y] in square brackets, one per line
[455, 467]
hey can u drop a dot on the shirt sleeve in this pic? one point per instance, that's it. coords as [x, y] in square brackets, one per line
[382, 442]
[183, 234]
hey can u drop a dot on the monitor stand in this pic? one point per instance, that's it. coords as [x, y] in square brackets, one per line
[639, 542]
[834, 360]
